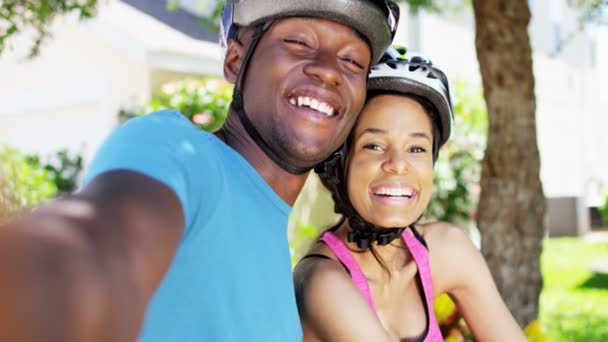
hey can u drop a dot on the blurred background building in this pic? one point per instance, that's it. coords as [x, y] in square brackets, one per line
[71, 95]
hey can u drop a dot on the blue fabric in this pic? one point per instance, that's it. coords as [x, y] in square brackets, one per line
[231, 278]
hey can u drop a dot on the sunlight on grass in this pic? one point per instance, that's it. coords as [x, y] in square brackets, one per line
[574, 301]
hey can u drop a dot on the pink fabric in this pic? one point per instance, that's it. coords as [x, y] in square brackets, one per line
[344, 255]
[420, 255]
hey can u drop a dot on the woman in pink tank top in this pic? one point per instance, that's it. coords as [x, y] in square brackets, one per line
[374, 275]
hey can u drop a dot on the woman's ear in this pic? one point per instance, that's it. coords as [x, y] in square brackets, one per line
[234, 58]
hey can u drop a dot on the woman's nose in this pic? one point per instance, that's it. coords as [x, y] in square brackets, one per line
[396, 162]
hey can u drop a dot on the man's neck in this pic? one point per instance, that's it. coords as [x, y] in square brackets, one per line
[284, 184]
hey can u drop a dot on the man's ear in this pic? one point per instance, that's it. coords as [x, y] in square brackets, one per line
[232, 63]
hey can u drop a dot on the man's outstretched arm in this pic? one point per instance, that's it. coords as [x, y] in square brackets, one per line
[83, 268]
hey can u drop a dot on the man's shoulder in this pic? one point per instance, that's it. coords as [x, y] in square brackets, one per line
[165, 140]
[168, 119]
[170, 128]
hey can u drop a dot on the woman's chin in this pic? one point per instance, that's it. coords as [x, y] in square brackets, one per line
[390, 218]
[395, 222]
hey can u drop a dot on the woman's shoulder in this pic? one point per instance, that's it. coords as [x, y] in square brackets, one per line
[319, 277]
[443, 235]
[451, 253]
[319, 263]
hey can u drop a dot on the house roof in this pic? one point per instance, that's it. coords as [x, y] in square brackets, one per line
[159, 44]
[181, 20]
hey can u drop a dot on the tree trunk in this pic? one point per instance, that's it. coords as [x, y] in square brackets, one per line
[511, 208]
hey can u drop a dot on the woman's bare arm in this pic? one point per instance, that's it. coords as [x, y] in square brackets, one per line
[331, 307]
[459, 269]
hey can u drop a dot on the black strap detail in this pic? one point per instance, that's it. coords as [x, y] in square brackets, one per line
[316, 255]
[419, 237]
[323, 256]
[364, 233]
[239, 107]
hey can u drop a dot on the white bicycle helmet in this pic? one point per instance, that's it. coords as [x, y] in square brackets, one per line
[415, 75]
[393, 74]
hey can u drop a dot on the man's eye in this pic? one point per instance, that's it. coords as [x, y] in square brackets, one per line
[353, 62]
[296, 42]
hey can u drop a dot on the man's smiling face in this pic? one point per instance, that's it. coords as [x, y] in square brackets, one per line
[304, 87]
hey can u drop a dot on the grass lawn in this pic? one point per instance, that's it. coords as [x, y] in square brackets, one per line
[574, 300]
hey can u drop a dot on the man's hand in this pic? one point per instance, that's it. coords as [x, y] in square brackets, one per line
[83, 268]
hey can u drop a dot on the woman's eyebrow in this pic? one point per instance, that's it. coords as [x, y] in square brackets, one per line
[420, 135]
[373, 130]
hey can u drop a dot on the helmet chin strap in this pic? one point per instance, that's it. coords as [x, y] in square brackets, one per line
[364, 233]
[239, 107]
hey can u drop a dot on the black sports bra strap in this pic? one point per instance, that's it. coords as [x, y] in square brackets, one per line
[323, 256]
[316, 255]
[419, 237]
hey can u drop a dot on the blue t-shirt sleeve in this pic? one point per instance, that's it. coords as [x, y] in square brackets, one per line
[166, 146]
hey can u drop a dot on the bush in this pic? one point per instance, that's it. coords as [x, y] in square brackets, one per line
[63, 167]
[204, 101]
[458, 169]
[23, 184]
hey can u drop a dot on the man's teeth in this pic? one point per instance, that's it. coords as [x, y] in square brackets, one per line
[394, 192]
[313, 103]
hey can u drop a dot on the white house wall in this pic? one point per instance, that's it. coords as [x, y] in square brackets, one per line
[76, 71]
[571, 118]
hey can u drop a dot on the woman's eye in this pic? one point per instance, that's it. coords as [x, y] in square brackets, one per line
[373, 147]
[417, 149]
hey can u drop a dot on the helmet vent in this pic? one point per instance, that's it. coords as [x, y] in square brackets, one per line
[392, 65]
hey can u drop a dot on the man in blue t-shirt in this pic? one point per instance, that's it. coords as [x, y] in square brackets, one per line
[180, 235]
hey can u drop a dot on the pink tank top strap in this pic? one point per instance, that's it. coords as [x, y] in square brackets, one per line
[421, 257]
[344, 255]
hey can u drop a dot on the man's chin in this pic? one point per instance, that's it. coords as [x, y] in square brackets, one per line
[303, 166]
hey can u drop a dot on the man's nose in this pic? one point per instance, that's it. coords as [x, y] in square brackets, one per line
[325, 68]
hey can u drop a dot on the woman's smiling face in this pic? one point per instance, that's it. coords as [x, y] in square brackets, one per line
[390, 176]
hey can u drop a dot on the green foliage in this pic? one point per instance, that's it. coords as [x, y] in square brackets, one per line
[305, 236]
[205, 102]
[64, 168]
[211, 22]
[19, 16]
[438, 6]
[574, 300]
[23, 184]
[458, 169]
[592, 10]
